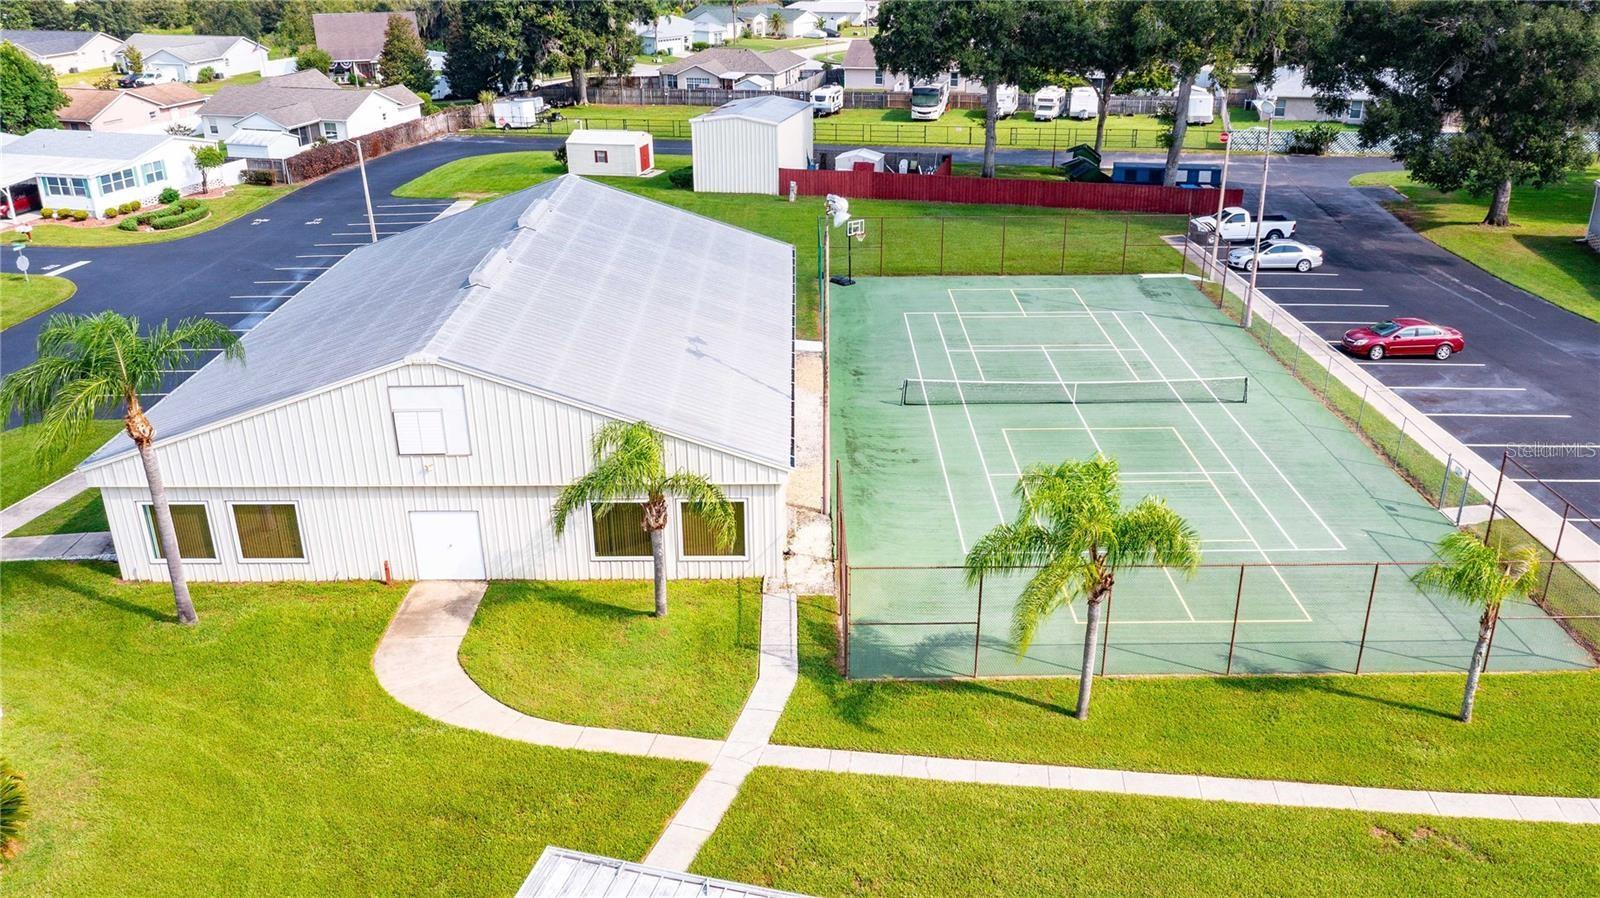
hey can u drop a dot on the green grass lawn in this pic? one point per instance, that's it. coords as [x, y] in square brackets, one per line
[241, 200]
[85, 78]
[828, 834]
[22, 471]
[902, 237]
[1536, 252]
[256, 754]
[1533, 733]
[22, 298]
[591, 653]
[239, 80]
[83, 513]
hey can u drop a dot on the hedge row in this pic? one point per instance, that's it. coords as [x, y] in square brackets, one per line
[185, 211]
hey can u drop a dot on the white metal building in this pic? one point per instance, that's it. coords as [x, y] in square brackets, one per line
[422, 403]
[563, 873]
[593, 151]
[739, 146]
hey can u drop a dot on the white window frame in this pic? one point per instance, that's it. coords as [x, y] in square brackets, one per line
[1357, 110]
[153, 172]
[687, 557]
[698, 83]
[594, 553]
[602, 157]
[148, 517]
[877, 77]
[238, 542]
[1280, 107]
[443, 412]
[394, 419]
[330, 130]
[68, 186]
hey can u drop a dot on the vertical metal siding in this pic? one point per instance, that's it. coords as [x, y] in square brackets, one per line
[735, 155]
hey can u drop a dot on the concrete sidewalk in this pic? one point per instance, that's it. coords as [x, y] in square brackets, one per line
[26, 509]
[58, 547]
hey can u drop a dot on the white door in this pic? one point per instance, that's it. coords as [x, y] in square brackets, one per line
[448, 545]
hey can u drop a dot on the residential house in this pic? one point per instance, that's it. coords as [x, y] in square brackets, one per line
[837, 13]
[752, 19]
[182, 57]
[732, 68]
[443, 385]
[278, 117]
[66, 51]
[667, 35]
[150, 109]
[791, 21]
[97, 170]
[861, 72]
[1294, 100]
[355, 39]
[441, 84]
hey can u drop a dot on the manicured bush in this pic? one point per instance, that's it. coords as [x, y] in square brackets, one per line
[14, 810]
[47, 213]
[111, 212]
[134, 205]
[80, 215]
[128, 224]
[63, 214]
[169, 195]
[258, 176]
[208, 74]
[178, 220]
[682, 178]
[1315, 140]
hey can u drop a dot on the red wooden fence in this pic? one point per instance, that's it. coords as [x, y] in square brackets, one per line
[1005, 191]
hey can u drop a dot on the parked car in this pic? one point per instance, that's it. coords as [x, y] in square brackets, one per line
[830, 31]
[141, 79]
[1277, 254]
[814, 34]
[1403, 336]
[1239, 224]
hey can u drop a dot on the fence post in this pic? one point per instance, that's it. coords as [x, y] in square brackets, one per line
[1105, 642]
[1233, 635]
[1003, 220]
[1124, 245]
[1444, 484]
[1063, 244]
[941, 247]
[1361, 410]
[1367, 621]
[883, 237]
[1555, 551]
[1494, 504]
[977, 636]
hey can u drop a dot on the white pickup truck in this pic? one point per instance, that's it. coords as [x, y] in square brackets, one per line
[1238, 224]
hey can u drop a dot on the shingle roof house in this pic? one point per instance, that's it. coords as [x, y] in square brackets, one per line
[309, 103]
[521, 326]
[181, 57]
[151, 108]
[355, 39]
[725, 67]
[65, 51]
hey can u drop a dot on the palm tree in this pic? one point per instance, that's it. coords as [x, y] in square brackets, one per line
[628, 463]
[1071, 525]
[92, 363]
[1482, 576]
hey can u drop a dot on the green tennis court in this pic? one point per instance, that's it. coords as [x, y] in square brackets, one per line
[942, 389]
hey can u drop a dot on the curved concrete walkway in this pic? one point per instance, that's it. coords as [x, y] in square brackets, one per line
[417, 662]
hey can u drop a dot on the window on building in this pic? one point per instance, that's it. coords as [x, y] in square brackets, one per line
[212, 127]
[154, 172]
[268, 532]
[955, 79]
[330, 130]
[671, 81]
[700, 541]
[877, 77]
[118, 180]
[699, 83]
[619, 530]
[601, 156]
[430, 420]
[57, 186]
[1280, 107]
[193, 529]
[1358, 110]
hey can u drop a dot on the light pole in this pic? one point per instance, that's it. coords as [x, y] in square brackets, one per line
[366, 192]
[1222, 198]
[1265, 107]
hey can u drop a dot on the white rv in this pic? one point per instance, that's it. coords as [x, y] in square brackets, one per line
[1047, 103]
[1201, 103]
[1005, 101]
[827, 100]
[929, 101]
[1083, 103]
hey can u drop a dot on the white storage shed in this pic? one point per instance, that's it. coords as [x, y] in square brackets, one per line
[592, 151]
[850, 160]
[740, 146]
[474, 359]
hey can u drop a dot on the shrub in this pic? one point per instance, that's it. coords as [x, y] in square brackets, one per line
[80, 215]
[14, 810]
[169, 195]
[207, 74]
[314, 59]
[1315, 140]
[181, 218]
[128, 224]
[135, 205]
[111, 212]
[561, 155]
[682, 178]
[63, 214]
[260, 177]
[47, 213]
[429, 107]
[697, 46]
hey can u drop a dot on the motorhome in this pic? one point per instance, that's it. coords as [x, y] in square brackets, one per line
[827, 100]
[1005, 101]
[1201, 103]
[1083, 103]
[1047, 103]
[929, 101]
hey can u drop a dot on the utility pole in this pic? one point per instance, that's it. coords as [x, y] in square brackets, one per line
[1266, 109]
[366, 192]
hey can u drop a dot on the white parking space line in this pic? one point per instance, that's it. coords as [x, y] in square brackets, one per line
[342, 244]
[1336, 305]
[426, 212]
[414, 205]
[255, 312]
[65, 268]
[1491, 415]
[1467, 389]
[1435, 364]
[261, 296]
[1300, 274]
[1318, 289]
[303, 268]
[1335, 322]
[280, 282]
[364, 233]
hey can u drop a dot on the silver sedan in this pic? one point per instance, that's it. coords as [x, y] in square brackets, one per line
[1277, 254]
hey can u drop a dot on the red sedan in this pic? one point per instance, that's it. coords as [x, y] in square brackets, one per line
[1403, 336]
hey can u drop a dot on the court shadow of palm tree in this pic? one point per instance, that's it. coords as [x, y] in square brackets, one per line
[42, 574]
[1281, 685]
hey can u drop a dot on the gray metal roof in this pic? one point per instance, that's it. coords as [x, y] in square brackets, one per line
[187, 47]
[561, 873]
[573, 289]
[57, 151]
[48, 43]
[763, 109]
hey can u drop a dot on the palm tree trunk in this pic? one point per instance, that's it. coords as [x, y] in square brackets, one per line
[991, 104]
[1091, 650]
[1180, 126]
[166, 536]
[1499, 215]
[658, 558]
[1480, 653]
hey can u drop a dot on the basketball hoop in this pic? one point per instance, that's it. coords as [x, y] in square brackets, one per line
[857, 228]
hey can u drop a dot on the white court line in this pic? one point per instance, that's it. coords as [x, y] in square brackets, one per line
[1014, 298]
[955, 514]
[1467, 389]
[1179, 593]
[967, 337]
[1490, 415]
[1103, 332]
[1056, 347]
[971, 427]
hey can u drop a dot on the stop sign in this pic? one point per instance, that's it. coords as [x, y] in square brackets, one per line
[1223, 137]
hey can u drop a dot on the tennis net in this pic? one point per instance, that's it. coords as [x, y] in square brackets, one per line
[922, 391]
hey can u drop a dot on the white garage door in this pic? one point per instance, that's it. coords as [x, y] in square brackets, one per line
[448, 545]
